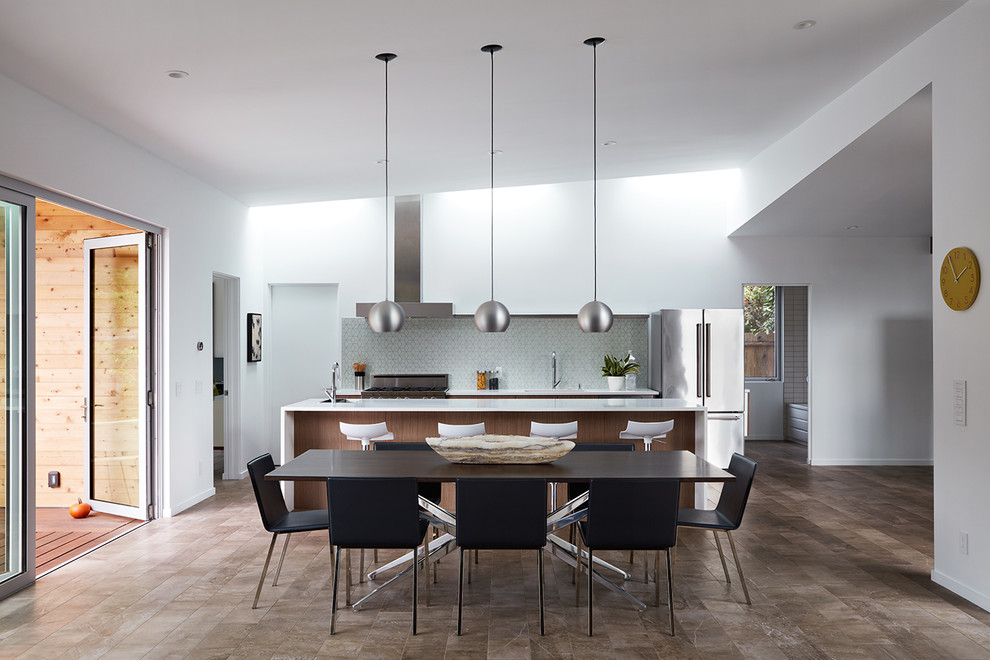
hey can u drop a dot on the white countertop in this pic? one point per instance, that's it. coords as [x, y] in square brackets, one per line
[549, 392]
[490, 403]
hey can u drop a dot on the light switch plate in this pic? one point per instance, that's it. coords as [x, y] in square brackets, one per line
[959, 402]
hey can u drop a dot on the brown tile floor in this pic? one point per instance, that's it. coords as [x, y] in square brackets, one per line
[838, 562]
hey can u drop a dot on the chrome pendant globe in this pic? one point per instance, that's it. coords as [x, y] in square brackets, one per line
[492, 316]
[386, 316]
[596, 316]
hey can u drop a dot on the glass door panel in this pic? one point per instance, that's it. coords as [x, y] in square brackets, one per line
[116, 401]
[16, 483]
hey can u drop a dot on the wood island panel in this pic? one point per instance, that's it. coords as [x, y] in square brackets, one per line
[321, 430]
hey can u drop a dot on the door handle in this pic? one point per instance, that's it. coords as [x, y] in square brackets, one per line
[708, 359]
[699, 367]
[724, 417]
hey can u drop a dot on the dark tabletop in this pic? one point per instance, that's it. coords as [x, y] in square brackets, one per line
[318, 464]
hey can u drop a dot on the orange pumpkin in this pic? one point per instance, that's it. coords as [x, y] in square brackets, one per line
[80, 509]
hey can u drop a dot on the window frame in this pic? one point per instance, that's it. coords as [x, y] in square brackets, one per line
[777, 341]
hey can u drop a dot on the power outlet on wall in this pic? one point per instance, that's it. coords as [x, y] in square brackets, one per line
[964, 542]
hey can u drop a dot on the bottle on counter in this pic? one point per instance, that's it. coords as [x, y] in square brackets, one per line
[482, 380]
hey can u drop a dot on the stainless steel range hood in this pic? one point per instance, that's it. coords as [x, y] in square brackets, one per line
[408, 264]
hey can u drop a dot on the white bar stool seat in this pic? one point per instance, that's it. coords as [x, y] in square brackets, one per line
[562, 431]
[366, 433]
[460, 430]
[647, 432]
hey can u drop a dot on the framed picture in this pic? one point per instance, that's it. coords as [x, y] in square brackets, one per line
[254, 337]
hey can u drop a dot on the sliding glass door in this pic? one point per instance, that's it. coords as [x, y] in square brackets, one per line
[16, 456]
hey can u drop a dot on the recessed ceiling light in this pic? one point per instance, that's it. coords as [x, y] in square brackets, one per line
[805, 25]
[177, 74]
[608, 143]
[852, 227]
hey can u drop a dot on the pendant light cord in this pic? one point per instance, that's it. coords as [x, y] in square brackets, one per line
[386, 178]
[491, 187]
[594, 48]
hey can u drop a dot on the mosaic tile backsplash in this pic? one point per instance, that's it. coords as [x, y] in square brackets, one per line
[454, 346]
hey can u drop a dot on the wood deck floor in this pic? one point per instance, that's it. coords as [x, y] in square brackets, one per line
[837, 558]
[61, 538]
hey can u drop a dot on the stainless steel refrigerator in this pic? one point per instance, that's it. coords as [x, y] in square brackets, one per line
[697, 355]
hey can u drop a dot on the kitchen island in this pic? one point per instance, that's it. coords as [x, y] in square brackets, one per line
[314, 423]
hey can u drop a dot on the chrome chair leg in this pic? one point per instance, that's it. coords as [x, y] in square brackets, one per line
[264, 571]
[281, 557]
[539, 554]
[591, 584]
[656, 576]
[721, 555]
[415, 588]
[670, 593]
[460, 589]
[347, 579]
[426, 565]
[577, 572]
[333, 600]
[742, 578]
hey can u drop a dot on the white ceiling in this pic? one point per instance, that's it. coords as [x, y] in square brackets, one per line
[880, 185]
[284, 101]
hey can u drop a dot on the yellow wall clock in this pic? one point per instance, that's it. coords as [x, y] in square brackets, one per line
[959, 278]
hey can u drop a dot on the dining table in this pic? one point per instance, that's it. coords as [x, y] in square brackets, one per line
[574, 467]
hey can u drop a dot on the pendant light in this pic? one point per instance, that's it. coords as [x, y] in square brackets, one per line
[595, 316]
[386, 316]
[492, 316]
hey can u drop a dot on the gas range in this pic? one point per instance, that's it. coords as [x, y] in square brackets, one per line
[407, 386]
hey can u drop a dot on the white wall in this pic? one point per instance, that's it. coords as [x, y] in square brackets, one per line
[204, 230]
[300, 341]
[946, 57]
[662, 244]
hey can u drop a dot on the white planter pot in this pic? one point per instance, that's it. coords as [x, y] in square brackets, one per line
[616, 383]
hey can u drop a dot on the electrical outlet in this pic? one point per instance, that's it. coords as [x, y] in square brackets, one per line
[964, 542]
[178, 388]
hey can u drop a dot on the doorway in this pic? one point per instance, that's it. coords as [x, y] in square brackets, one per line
[227, 462]
[777, 346]
[95, 317]
[302, 341]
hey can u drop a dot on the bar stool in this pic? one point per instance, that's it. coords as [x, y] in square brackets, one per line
[562, 431]
[366, 433]
[647, 431]
[460, 430]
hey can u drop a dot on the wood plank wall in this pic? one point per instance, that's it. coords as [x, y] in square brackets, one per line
[60, 430]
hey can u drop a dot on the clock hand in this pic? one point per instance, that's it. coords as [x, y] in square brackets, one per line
[949, 259]
[961, 272]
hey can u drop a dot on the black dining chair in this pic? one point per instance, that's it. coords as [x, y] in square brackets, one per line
[575, 489]
[728, 513]
[374, 513]
[617, 521]
[428, 490]
[276, 517]
[501, 514]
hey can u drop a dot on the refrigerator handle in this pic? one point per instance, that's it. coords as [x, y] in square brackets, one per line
[699, 370]
[708, 359]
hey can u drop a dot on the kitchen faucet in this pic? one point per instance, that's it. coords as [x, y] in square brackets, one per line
[553, 366]
[334, 370]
